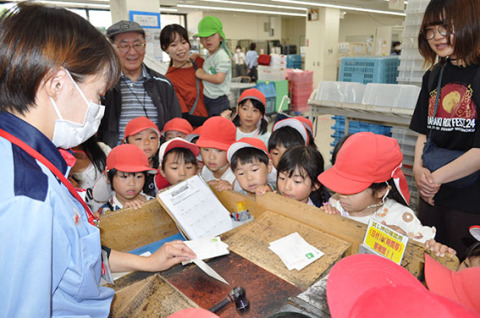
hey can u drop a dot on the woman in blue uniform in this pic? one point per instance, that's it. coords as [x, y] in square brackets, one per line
[54, 66]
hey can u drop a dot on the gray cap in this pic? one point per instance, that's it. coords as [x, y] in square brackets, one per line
[124, 26]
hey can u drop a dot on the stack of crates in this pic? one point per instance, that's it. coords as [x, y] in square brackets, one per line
[407, 139]
[268, 89]
[300, 85]
[294, 61]
[369, 69]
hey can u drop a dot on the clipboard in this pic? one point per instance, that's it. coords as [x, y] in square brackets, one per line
[195, 209]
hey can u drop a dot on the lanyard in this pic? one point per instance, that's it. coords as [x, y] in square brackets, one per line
[35, 154]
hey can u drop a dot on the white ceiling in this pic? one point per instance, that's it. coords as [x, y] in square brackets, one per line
[271, 5]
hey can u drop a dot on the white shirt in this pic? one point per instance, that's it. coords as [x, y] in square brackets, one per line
[394, 213]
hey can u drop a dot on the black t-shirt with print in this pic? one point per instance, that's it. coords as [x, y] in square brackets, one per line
[455, 126]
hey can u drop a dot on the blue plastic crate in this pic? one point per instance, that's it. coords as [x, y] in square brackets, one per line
[268, 89]
[369, 69]
[358, 126]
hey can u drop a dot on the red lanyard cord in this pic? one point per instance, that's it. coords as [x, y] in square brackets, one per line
[35, 154]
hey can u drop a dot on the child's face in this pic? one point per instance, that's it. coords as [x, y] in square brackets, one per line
[211, 43]
[358, 202]
[128, 185]
[296, 186]
[176, 169]
[276, 154]
[147, 140]
[439, 43]
[249, 116]
[214, 159]
[469, 262]
[170, 134]
[251, 175]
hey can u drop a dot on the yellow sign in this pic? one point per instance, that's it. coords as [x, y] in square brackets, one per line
[385, 241]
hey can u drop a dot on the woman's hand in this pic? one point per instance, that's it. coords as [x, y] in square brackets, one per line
[427, 188]
[171, 253]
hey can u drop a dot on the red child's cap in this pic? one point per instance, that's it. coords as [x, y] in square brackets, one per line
[462, 287]
[178, 124]
[128, 158]
[365, 285]
[176, 143]
[366, 158]
[252, 93]
[246, 142]
[306, 122]
[217, 132]
[139, 124]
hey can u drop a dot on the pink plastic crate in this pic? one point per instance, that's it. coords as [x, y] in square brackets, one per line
[298, 77]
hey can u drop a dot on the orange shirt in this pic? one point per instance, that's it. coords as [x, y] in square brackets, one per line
[183, 80]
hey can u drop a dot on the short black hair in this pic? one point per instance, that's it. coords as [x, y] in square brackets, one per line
[180, 154]
[248, 155]
[285, 136]
[393, 194]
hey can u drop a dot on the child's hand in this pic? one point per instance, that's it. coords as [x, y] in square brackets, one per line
[194, 56]
[261, 190]
[438, 248]
[328, 208]
[133, 204]
[226, 113]
[200, 73]
[220, 185]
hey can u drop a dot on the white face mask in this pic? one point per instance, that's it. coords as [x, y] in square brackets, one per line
[238, 50]
[68, 134]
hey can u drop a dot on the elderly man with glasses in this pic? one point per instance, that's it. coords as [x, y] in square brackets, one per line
[140, 90]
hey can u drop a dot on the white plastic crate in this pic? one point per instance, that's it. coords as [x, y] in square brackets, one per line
[267, 73]
[391, 95]
[347, 92]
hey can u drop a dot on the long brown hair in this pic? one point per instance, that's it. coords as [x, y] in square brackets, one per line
[36, 40]
[461, 18]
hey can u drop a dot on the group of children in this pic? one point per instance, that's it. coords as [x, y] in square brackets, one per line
[366, 180]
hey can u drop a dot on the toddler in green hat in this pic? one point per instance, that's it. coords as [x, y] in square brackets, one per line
[216, 73]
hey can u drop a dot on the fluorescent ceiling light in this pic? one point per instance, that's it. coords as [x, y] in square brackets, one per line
[257, 4]
[326, 5]
[93, 5]
[163, 9]
[240, 10]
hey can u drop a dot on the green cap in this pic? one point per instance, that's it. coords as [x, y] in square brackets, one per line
[209, 26]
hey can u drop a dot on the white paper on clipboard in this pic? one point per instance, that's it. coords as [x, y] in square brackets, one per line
[196, 209]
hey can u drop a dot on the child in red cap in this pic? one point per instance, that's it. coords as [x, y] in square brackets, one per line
[127, 167]
[250, 117]
[216, 136]
[251, 165]
[369, 182]
[178, 161]
[143, 133]
[176, 127]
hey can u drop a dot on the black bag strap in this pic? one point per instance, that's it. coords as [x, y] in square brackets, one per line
[437, 97]
[197, 82]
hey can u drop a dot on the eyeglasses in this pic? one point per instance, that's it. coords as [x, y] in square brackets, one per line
[137, 46]
[440, 29]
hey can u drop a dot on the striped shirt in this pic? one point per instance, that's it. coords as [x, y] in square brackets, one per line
[135, 102]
